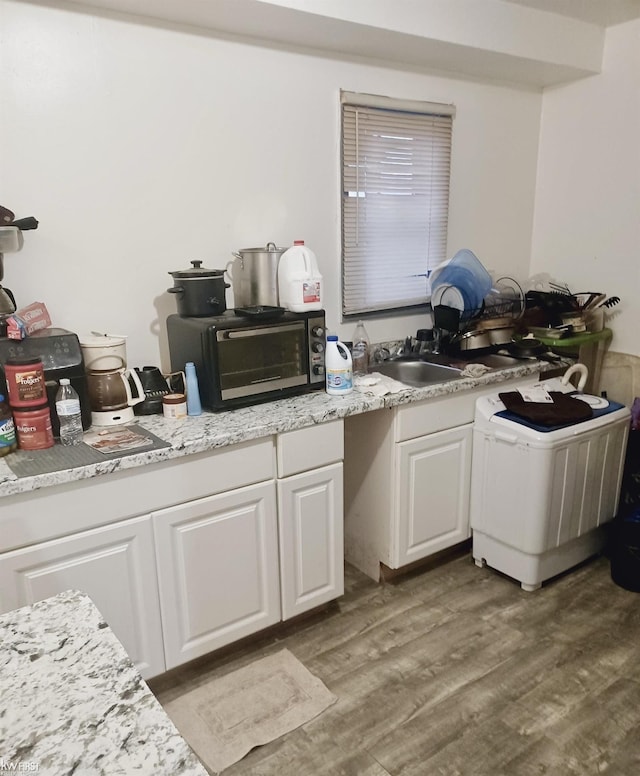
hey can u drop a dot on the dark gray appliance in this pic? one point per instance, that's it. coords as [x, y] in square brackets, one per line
[61, 356]
[242, 360]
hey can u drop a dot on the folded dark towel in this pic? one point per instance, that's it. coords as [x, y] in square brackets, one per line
[564, 409]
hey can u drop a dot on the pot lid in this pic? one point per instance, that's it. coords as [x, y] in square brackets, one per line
[101, 341]
[197, 271]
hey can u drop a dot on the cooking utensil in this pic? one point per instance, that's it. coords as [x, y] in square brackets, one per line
[506, 298]
[155, 387]
[475, 339]
[6, 216]
[587, 300]
[576, 321]
[446, 318]
[25, 224]
[561, 288]
[550, 332]
[254, 276]
[260, 312]
[199, 291]
[612, 301]
[526, 348]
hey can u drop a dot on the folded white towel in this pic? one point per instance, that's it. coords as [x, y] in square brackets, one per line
[475, 370]
[377, 384]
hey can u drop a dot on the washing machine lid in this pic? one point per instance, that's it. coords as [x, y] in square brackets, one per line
[492, 415]
[599, 408]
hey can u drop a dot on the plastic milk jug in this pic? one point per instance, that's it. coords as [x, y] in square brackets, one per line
[299, 279]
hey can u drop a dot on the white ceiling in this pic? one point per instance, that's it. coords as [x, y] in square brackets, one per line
[602, 12]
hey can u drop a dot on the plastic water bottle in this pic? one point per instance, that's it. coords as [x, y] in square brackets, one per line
[360, 350]
[69, 413]
[194, 406]
[338, 367]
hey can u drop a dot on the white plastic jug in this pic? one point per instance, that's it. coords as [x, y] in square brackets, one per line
[299, 279]
[338, 367]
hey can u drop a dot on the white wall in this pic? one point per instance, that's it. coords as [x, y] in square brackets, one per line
[587, 211]
[140, 148]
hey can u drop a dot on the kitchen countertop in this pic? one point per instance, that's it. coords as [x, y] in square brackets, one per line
[72, 701]
[210, 430]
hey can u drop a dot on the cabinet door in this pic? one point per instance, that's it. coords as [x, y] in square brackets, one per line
[311, 539]
[114, 566]
[432, 505]
[217, 563]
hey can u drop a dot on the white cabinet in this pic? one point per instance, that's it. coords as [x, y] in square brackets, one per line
[186, 556]
[434, 476]
[98, 536]
[310, 516]
[114, 565]
[234, 563]
[408, 478]
[311, 539]
[218, 570]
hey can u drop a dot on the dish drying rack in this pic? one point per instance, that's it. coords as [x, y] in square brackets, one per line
[505, 300]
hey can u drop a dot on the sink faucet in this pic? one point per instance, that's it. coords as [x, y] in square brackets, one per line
[381, 354]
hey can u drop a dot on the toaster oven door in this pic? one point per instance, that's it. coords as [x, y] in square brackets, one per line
[261, 359]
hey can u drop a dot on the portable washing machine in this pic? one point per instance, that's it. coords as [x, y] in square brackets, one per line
[541, 495]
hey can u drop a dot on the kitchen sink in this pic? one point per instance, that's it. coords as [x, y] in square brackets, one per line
[417, 373]
[439, 368]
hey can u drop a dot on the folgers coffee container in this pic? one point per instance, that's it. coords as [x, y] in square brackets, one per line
[25, 383]
[33, 428]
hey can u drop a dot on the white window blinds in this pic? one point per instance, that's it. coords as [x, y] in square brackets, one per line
[395, 197]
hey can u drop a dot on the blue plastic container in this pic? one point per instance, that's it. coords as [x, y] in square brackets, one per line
[465, 272]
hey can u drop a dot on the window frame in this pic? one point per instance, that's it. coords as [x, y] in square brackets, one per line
[440, 116]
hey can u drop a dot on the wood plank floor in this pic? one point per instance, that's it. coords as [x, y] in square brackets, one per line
[458, 672]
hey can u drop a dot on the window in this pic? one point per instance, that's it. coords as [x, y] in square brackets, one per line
[395, 197]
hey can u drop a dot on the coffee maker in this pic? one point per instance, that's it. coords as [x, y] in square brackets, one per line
[110, 394]
[61, 356]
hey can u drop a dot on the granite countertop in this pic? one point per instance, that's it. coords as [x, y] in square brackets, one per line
[72, 701]
[213, 430]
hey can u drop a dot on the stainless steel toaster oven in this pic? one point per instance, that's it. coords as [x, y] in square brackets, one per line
[241, 361]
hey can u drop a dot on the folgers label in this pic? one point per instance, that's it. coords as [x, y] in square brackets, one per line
[33, 428]
[25, 382]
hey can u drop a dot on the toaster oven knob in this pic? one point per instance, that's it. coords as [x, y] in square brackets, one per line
[318, 331]
[317, 347]
[318, 369]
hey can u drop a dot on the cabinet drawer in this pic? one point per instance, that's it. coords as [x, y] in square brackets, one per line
[77, 506]
[443, 412]
[310, 448]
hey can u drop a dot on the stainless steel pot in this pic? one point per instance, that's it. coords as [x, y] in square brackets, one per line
[485, 337]
[476, 339]
[199, 291]
[254, 276]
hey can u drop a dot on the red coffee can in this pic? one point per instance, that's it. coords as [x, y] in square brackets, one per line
[33, 428]
[25, 382]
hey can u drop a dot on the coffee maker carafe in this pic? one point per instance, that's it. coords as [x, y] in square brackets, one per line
[108, 386]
